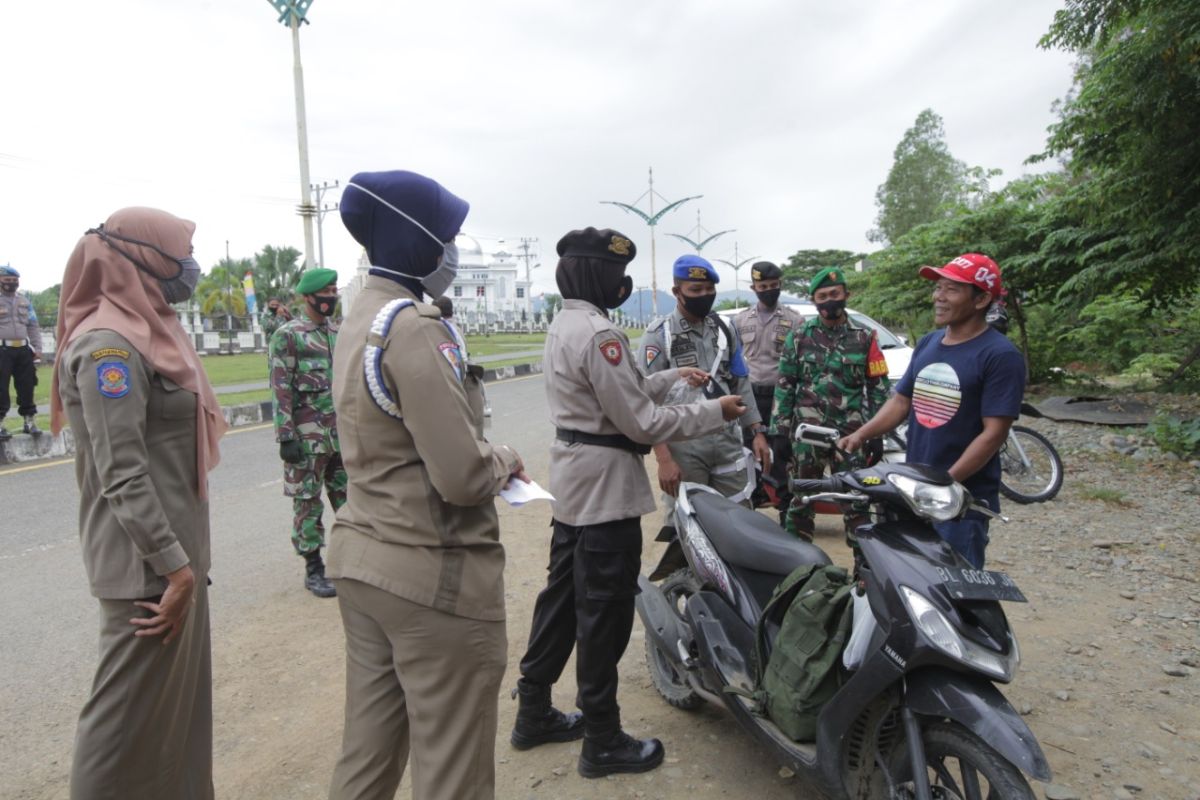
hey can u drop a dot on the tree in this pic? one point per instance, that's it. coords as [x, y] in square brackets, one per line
[276, 272]
[925, 182]
[220, 293]
[803, 264]
[45, 305]
[1128, 137]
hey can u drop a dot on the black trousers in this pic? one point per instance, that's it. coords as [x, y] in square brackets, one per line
[587, 604]
[17, 363]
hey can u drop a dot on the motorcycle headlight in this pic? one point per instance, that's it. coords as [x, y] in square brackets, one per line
[938, 503]
[942, 635]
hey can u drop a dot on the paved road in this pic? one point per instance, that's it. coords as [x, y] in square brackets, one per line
[48, 632]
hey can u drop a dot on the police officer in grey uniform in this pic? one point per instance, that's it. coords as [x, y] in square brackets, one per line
[692, 336]
[763, 329]
[20, 350]
[606, 417]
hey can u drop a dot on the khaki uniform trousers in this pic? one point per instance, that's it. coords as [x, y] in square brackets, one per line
[146, 731]
[421, 685]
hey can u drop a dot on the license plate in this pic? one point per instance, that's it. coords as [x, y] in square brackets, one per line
[979, 584]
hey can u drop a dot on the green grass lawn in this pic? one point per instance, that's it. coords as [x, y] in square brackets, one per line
[504, 343]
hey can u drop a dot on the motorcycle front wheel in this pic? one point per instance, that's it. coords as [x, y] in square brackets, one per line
[960, 766]
[1031, 470]
[673, 686]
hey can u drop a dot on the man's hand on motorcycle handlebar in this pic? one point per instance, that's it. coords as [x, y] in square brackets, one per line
[851, 443]
[669, 476]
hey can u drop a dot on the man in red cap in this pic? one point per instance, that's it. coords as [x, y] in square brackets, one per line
[960, 394]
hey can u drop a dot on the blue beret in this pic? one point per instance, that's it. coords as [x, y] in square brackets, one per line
[694, 268]
[5, 269]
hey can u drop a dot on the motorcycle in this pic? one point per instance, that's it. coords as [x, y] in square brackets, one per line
[918, 715]
[1031, 470]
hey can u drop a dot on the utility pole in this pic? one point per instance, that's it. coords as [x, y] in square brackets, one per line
[651, 219]
[526, 244]
[321, 211]
[292, 13]
[737, 265]
[228, 297]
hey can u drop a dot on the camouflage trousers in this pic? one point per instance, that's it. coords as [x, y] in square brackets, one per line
[808, 462]
[302, 482]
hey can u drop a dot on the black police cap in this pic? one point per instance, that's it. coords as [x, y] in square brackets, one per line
[606, 244]
[765, 271]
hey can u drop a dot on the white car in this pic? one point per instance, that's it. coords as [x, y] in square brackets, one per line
[895, 348]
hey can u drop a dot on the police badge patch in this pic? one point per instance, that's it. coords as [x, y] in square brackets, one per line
[112, 379]
[611, 350]
[652, 351]
[453, 356]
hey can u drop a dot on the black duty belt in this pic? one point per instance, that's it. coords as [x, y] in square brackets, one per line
[764, 389]
[617, 440]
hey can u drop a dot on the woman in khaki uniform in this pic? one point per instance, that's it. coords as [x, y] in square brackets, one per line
[146, 426]
[415, 551]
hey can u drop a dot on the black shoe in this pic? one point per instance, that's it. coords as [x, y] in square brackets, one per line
[31, 426]
[539, 722]
[4, 434]
[621, 753]
[314, 576]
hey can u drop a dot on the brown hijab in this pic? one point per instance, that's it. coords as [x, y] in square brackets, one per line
[102, 289]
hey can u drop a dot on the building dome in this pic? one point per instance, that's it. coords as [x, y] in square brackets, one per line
[468, 245]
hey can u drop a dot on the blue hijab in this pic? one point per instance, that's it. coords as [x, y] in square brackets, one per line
[391, 241]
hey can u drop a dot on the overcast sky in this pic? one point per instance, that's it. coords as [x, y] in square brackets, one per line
[784, 114]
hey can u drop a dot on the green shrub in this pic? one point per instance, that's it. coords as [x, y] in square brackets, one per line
[1175, 435]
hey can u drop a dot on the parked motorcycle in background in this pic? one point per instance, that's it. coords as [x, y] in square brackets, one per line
[917, 714]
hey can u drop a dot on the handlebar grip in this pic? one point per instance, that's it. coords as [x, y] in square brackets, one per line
[815, 485]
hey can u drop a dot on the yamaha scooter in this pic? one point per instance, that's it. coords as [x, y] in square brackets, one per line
[918, 714]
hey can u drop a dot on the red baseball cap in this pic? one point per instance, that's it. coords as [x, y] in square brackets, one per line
[973, 268]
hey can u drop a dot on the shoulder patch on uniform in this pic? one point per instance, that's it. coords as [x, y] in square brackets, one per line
[611, 350]
[652, 351]
[112, 379]
[876, 364]
[105, 352]
[453, 356]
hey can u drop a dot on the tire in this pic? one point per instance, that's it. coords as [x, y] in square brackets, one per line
[1036, 482]
[960, 767]
[673, 686]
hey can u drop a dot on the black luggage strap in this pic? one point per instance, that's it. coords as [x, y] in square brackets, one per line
[617, 440]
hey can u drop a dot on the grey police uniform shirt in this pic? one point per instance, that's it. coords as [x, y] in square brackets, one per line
[763, 334]
[593, 386]
[697, 346]
[18, 320]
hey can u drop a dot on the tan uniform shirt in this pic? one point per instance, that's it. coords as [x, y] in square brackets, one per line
[763, 334]
[140, 516]
[18, 320]
[419, 521]
[593, 386]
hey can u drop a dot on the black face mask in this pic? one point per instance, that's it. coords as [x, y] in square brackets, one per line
[9, 287]
[323, 305]
[769, 298]
[832, 309]
[618, 294]
[698, 306]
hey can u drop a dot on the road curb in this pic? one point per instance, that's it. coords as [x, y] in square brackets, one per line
[23, 447]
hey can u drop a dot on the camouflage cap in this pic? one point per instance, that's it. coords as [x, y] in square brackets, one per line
[830, 276]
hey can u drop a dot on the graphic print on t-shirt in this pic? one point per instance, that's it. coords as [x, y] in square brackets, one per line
[936, 395]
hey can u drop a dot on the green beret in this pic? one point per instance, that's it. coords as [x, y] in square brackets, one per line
[830, 276]
[314, 280]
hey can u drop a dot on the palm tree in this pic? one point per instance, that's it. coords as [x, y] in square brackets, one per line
[276, 272]
[220, 291]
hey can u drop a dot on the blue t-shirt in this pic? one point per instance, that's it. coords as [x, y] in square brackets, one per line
[952, 388]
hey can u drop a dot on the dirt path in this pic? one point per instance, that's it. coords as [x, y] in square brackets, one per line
[1110, 679]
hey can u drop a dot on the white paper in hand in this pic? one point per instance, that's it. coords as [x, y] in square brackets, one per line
[518, 493]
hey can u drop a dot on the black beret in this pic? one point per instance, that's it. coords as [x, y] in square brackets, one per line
[765, 271]
[605, 244]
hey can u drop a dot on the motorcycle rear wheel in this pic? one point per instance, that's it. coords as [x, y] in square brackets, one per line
[1036, 482]
[674, 688]
[960, 765]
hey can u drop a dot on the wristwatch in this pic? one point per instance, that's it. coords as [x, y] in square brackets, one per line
[758, 428]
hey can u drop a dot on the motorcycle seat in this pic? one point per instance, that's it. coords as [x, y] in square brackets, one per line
[746, 538]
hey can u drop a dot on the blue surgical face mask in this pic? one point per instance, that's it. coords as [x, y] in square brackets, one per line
[437, 282]
[181, 287]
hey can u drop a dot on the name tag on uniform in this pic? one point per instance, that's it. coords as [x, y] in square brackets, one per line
[683, 351]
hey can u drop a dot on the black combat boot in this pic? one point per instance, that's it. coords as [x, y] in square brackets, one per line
[611, 750]
[314, 577]
[31, 426]
[538, 721]
[4, 434]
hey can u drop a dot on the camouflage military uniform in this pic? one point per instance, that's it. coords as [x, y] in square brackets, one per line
[271, 323]
[302, 380]
[831, 376]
